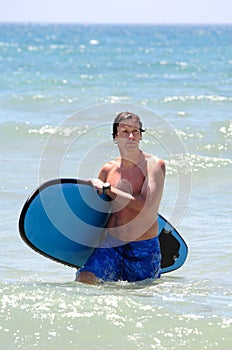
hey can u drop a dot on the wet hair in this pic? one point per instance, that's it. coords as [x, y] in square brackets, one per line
[122, 117]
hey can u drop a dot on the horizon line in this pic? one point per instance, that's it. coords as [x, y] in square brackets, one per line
[113, 23]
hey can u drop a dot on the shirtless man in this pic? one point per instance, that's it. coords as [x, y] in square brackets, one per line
[134, 181]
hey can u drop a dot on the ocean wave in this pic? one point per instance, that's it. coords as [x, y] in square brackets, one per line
[195, 163]
[50, 130]
[212, 98]
[226, 130]
[200, 155]
[16, 130]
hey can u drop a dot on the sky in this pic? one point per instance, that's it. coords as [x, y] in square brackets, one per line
[117, 11]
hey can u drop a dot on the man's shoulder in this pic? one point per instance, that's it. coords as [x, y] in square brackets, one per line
[111, 164]
[153, 158]
[155, 162]
[106, 169]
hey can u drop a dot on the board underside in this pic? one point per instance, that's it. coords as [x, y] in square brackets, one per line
[64, 220]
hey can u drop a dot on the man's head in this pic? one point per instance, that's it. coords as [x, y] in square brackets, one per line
[125, 117]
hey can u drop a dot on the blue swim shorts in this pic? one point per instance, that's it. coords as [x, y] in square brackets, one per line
[134, 261]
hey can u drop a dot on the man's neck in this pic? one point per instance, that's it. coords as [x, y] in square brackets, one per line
[130, 159]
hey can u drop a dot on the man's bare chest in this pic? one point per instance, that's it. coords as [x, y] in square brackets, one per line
[127, 179]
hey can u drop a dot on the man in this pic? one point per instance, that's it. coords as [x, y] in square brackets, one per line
[134, 182]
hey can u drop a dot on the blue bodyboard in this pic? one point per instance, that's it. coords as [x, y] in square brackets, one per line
[64, 220]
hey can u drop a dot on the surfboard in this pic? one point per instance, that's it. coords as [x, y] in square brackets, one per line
[64, 220]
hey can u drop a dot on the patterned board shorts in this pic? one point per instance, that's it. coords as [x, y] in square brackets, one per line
[134, 261]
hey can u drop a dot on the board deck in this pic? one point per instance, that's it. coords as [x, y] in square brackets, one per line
[64, 219]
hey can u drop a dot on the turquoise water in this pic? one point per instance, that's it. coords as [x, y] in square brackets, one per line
[60, 88]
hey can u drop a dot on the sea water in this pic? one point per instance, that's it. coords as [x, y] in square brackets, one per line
[60, 88]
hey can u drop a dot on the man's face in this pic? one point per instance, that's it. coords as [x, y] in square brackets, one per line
[129, 134]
